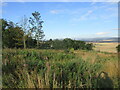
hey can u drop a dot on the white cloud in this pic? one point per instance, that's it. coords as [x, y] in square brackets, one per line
[102, 33]
[92, 15]
[116, 29]
[56, 11]
[86, 15]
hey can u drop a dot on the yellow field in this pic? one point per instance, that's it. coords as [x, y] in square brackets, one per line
[105, 47]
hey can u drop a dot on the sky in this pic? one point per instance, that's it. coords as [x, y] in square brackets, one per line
[68, 19]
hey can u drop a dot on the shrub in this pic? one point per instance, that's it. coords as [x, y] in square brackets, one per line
[118, 48]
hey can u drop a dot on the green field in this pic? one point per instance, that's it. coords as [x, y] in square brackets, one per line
[34, 68]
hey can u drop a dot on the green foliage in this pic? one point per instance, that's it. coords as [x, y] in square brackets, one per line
[30, 43]
[118, 48]
[66, 44]
[71, 50]
[26, 35]
[11, 35]
[36, 27]
[89, 46]
[27, 68]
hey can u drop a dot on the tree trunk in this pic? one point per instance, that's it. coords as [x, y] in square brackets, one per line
[37, 43]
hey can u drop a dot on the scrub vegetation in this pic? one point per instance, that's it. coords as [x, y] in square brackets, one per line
[30, 62]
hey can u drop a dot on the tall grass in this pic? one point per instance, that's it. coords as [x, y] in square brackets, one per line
[53, 69]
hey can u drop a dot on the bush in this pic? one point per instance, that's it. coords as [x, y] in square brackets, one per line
[118, 48]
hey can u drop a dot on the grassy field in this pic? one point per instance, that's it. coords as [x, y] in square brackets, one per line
[106, 47]
[32, 68]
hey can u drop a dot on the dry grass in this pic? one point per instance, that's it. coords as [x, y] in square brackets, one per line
[111, 67]
[110, 60]
[106, 47]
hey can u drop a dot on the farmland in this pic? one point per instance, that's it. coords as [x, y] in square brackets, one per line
[106, 47]
[48, 68]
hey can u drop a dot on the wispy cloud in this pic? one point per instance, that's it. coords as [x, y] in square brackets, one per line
[56, 11]
[92, 14]
[102, 33]
[86, 15]
[116, 29]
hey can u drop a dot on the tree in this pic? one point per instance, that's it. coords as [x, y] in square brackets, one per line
[16, 36]
[58, 44]
[89, 46]
[68, 43]
[36, 27]
[24, 25]
[30, 43]
[3, 27]
[11, 35]
[4, 24]
[118, 48]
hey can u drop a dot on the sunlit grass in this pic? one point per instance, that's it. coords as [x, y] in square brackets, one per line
[33, 68]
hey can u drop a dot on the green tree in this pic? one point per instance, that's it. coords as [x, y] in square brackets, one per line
[30, 43]
[58, 44]
[89, 46]
[3, 25]
[68, 43]
[36, 27]
[118, 48]
[11, 35]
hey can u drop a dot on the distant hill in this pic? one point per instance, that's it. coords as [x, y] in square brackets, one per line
[103, 39]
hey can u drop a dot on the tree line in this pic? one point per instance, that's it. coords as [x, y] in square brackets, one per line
[29, 34]
[26, 34]
[66, 43]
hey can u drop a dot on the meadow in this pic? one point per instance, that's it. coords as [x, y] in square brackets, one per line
[49, 68]
[106, 47]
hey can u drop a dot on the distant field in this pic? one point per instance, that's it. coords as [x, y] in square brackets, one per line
[106, 47]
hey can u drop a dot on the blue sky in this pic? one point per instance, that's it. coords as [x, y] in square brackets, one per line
[68, 19]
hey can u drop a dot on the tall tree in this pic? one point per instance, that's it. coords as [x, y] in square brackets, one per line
[24, 25]
[36, 27]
